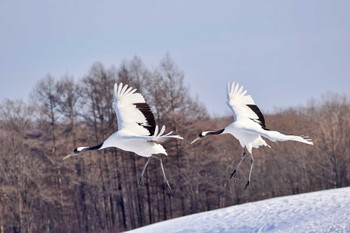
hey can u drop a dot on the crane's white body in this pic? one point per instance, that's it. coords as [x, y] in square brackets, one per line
[145, 146]
[249, 134]
[246, 139]
[127, 143]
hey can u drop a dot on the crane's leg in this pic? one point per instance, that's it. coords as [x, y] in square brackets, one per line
[140, 180]
[164, 176]
[234, 173]
[251, 169]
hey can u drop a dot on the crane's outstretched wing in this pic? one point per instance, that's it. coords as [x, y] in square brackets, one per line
[242, 105]
[134, 114]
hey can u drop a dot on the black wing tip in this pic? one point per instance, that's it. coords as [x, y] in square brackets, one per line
[257, 111]
[146, 111]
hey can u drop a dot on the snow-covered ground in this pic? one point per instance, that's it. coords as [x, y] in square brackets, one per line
[324, 211]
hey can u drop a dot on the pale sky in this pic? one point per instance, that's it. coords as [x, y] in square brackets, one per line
[283, 52]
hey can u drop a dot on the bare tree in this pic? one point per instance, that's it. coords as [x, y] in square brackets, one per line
[45, 97]
[68, 98]
[16, 181]
[332, 120]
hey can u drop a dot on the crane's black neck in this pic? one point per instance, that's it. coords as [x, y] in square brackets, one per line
[96, 147]
[79, 150]
[215, 132]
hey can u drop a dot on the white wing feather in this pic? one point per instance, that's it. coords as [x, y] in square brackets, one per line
[237, 100]
[277, 136]
[131, 120]
[160, 137]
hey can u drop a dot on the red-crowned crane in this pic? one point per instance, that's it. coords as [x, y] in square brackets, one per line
[137, 130]
[248, 126]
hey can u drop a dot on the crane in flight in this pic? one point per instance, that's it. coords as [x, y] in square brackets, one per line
[248, 126]
[137, 130]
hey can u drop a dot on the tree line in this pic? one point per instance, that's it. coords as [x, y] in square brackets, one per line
[98, 191]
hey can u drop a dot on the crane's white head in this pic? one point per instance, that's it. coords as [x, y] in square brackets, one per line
[200, 136]
[76, 152]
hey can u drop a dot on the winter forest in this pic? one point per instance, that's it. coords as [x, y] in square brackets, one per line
[98, 190]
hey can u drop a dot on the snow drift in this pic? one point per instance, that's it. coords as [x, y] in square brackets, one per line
[323, 211]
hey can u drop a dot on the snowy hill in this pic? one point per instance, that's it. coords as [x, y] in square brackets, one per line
[324, 211]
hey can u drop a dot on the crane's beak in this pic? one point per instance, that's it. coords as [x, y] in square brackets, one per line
[70, 155]
[197, 139]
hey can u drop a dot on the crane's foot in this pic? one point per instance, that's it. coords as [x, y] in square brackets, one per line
[140, 180]
[167, 185]
[246, 186]
[233, 174]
